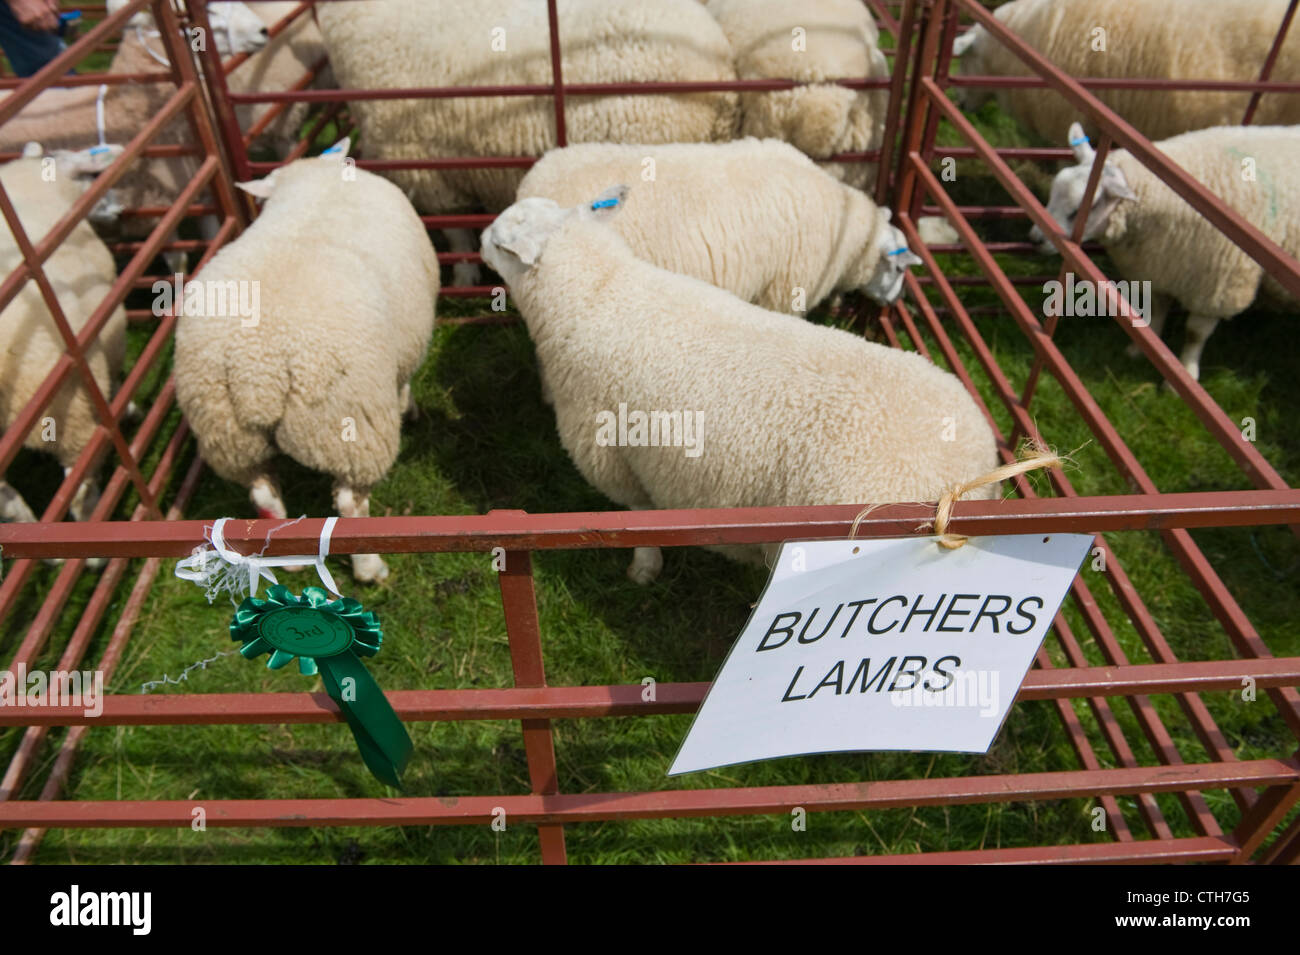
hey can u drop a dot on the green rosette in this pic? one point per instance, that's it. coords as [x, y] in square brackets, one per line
[329, 637]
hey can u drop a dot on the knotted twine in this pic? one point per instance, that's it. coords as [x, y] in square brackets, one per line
[1030, 457]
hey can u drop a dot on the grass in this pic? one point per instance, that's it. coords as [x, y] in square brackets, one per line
[484, 440]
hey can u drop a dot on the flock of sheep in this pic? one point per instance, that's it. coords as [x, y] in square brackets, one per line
[662, 265]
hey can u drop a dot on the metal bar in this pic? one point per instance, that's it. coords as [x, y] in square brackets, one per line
[541, 702]
[519, 603]
[1270, 60]
[516, 530]
[565, 808]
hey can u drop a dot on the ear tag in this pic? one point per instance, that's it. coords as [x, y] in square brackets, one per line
[603, 204]
[898, 251]
[1079, 142]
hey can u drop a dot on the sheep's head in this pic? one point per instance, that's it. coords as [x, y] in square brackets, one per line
[266, 187]
[235, 27]
[514, 242]
[76, 170]
[1068, 190]
[970, 48]
[886, 282]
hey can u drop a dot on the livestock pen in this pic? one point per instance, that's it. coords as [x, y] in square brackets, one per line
[567, 743]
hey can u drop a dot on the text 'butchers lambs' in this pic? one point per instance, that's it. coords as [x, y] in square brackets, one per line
[883, 645]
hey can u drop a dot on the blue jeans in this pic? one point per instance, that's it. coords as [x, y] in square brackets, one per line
[27, 49]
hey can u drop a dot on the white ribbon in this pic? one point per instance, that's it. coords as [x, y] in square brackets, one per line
[223, 569]
[139, 35]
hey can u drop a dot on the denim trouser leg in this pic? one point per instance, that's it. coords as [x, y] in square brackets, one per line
[27, 49]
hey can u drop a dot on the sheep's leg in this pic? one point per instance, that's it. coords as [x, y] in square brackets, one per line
[265, 496]
[13, 507]
[367, 568]
[1159, 312]
[82, 507]
[464, 240]
[1199, 328]
[406, 401]
[647, 562]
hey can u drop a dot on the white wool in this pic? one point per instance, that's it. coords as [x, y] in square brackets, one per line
[812, 41]
[1152, 234]
[81, 271]
[791, 413]
[755, 217]
[1190, 39]
[412, 43]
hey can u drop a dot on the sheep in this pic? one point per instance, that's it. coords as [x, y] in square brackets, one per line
[492, 42]
[813, 41]
[1200, 39]
[75, 118]
[335, 316]
[1152, 235]
[288, 55]
[755, 217]
[81, 271]
[796, 413]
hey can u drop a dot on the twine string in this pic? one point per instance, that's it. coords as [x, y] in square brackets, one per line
[1032, 457]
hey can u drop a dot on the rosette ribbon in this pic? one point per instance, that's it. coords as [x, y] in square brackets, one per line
[329, 637]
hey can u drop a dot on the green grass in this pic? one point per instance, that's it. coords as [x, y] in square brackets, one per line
[484, 440]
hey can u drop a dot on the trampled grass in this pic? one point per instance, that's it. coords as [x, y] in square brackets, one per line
[485, 440]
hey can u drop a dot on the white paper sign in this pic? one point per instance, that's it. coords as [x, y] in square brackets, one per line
[883, 645]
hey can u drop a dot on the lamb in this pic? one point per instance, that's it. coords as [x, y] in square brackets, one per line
[755, 217]
[340, 283]
[737, 406]
[1153, 235]
[1202, 39]
[81, 271]
[492, 42]
[287, 56]
[75, 118]
[813, 41]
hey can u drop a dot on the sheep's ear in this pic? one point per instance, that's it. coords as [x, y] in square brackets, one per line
[886, 214]
[1083, 151]
[908, 258]
[964, 42]
[609, 202]
[33, 151]
[1114, 184]
[261, 188]
[340, 149]
[523, 247]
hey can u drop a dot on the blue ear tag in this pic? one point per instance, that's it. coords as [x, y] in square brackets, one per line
[96, 150]
[333, 150]
[1079, 142]
[898, 251]
[603, 204]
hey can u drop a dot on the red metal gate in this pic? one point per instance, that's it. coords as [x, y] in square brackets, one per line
[1264, 791]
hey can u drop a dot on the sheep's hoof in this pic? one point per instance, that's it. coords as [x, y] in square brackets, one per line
[645, 566]
[466, 274]
[369, 568]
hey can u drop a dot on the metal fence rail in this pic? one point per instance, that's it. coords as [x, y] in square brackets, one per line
[1265, 791]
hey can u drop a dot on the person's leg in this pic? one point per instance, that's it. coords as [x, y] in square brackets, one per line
[27, 49]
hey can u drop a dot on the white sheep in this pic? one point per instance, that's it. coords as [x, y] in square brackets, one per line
[338, 284]
[725, 404]
[81, 271]
[79, 117]
[1191, 39]
[497, 42]
[755, 217]
[812, 41]
[1153, 235]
